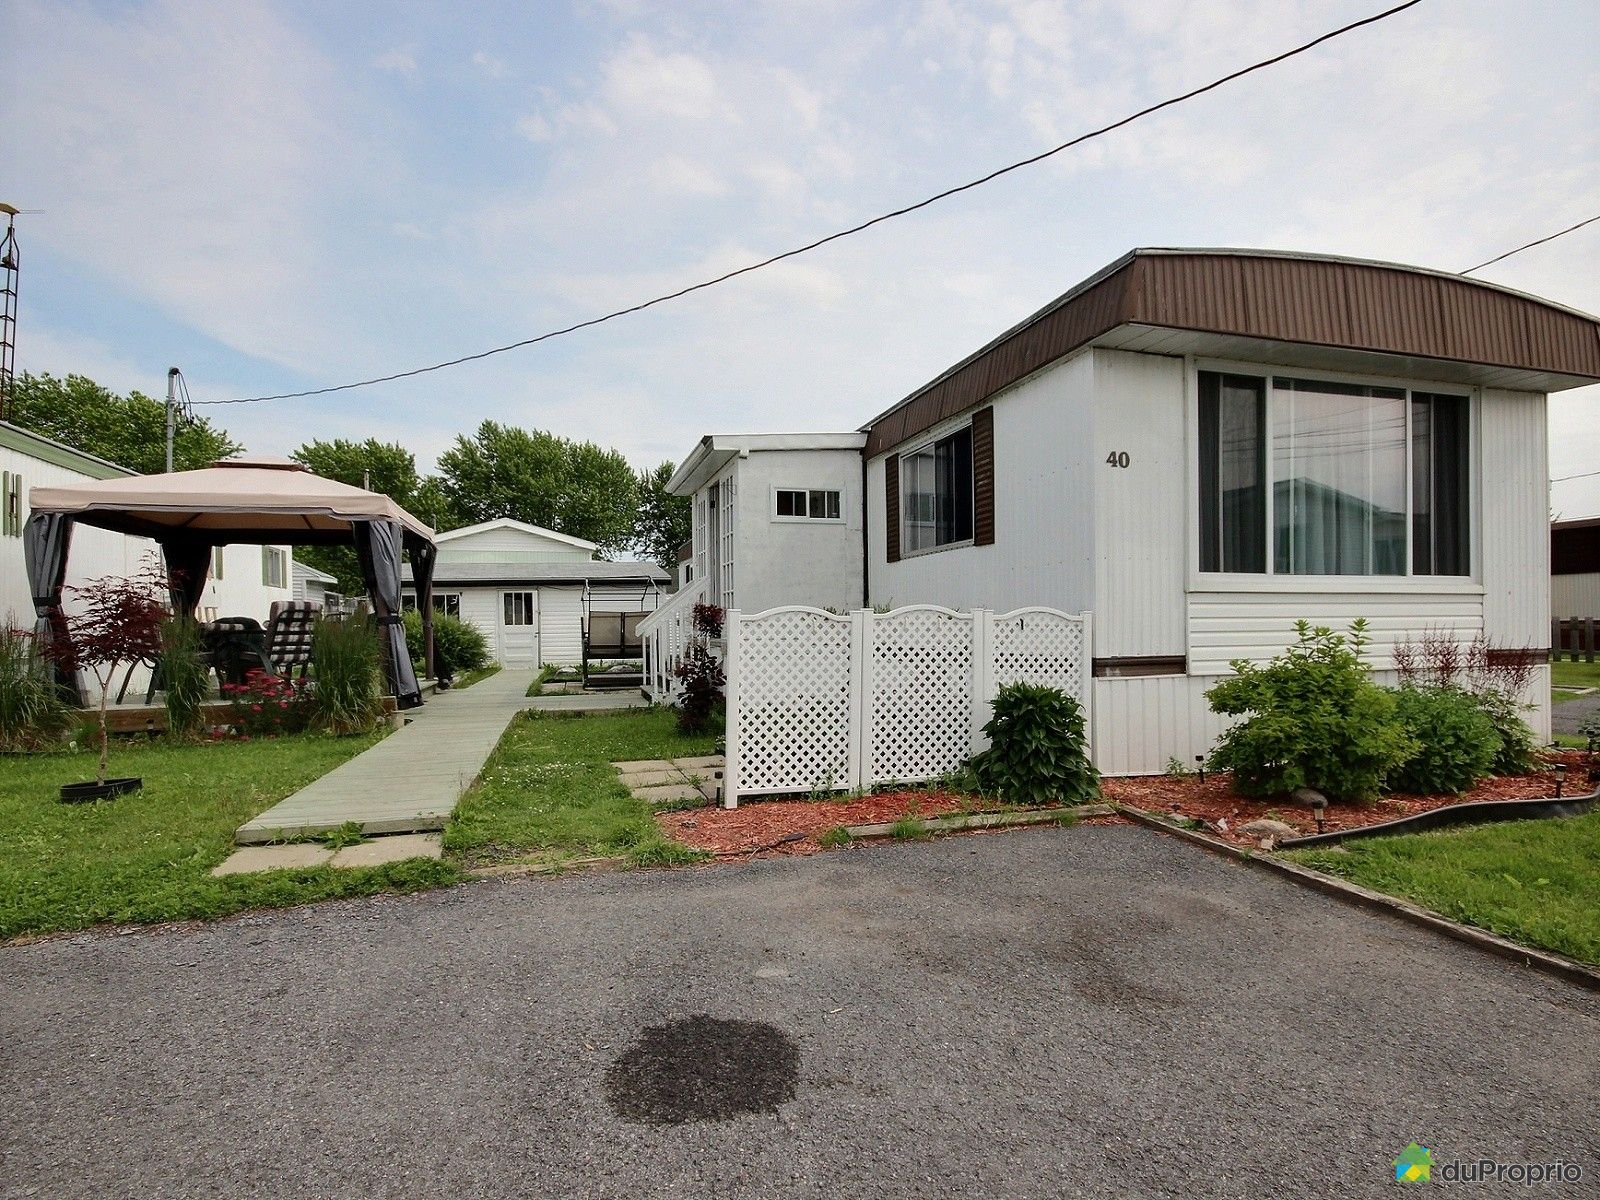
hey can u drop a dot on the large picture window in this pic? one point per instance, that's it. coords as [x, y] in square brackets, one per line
[936, 493]
[1364, 480]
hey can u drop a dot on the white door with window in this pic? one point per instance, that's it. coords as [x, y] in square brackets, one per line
[519, 629]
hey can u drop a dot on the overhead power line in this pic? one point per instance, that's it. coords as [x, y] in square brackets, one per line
[843, 233]
[1530, 245]
[1583, 475]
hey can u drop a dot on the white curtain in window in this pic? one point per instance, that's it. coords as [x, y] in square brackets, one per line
[1339, 479]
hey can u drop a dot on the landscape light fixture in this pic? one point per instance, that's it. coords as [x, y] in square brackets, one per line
[1200, 765]
[1561, 778]
[1319, 806]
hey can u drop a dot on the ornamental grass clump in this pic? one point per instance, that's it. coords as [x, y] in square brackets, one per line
[33, 716]
[1036, 751]
[1312, 718]
[185, 677]
[347, 664]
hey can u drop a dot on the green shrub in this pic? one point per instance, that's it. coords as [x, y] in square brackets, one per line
[33, 716]
[1457, 744]
[1518, 750]
[185, 677]
[1313, 718]
[348, 667]
[1036, 749]
[457, 646]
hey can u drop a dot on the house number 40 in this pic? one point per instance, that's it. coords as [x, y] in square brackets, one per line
[1117, 458]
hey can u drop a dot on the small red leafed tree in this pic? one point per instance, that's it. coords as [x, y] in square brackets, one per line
[118, 622]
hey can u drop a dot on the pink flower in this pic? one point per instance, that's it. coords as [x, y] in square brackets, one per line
[255, 708]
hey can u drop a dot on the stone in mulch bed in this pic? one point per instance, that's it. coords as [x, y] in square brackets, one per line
[756, 827]
[1214, 802]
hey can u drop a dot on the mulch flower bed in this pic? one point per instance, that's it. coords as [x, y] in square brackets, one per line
[767, 828]
[757, 827]
[1224, 811]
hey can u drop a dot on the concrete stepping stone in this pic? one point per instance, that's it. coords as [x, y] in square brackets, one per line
[643, 764]
[294, 856]
[397, 848]
[669, 793]
[701, 765]
[633, 780]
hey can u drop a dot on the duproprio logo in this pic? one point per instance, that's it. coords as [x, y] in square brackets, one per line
[1415, 1164]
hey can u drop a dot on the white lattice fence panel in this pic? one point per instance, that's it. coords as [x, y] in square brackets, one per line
[920, 708]
[793, 707]
[1040, 646]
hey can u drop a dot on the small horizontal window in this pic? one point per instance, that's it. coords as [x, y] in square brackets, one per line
[817, 504]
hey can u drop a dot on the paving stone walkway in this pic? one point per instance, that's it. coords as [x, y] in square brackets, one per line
[410, 781]
[659, 781]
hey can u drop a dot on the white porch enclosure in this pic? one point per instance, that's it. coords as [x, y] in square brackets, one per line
[665, 634]
[820, 701]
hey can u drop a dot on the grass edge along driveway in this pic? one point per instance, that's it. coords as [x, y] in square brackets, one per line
[147, 856]
[549, 793]
[1534, 881]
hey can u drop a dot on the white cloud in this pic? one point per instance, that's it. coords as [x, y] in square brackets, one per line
[672, 84]
[490, 66]
[401, 59]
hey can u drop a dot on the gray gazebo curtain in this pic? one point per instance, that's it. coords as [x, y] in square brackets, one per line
[45, 542]
[378, 550]
[188, 563]
[423, 553]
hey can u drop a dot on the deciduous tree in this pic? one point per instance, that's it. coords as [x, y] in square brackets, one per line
[127, 430]
[576, 488]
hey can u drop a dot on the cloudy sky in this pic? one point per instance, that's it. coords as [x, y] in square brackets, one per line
[280, 195]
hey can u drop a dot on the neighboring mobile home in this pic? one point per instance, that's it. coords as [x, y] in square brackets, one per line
[531, 591]
[1203, 446]
[1575, 569]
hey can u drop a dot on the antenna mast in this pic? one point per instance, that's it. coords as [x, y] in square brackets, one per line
[10, 261]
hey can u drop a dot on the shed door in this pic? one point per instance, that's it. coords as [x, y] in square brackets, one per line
[519, 629]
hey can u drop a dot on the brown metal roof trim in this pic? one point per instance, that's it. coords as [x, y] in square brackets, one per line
[1349, 303]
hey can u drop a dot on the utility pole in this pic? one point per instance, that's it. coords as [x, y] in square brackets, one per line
[172, 412]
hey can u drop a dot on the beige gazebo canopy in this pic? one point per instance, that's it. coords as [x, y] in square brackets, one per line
[256, 500]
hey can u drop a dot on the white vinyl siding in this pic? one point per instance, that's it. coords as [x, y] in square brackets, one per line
[1575, 595]
[1043, 552]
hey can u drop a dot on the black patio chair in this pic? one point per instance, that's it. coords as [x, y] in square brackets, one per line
[237, 645]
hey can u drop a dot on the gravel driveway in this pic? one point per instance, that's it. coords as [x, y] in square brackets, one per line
[1088, 1012]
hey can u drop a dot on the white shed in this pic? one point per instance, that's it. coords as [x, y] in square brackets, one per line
[523, 587]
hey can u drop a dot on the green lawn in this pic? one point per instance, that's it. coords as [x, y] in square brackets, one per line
[146, 856]
[1537, 881]
[1574, 674]
[548, 792]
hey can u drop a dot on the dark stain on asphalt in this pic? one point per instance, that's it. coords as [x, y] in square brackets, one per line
[703, 1069]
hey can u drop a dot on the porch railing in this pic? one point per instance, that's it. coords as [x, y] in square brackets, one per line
[666, 633]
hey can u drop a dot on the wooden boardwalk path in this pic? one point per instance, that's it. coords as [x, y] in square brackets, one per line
[410, 781]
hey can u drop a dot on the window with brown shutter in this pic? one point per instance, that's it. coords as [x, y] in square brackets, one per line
[983, 477]
[891, 507]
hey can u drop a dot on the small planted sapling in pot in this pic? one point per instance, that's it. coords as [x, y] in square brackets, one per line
[118, 622]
